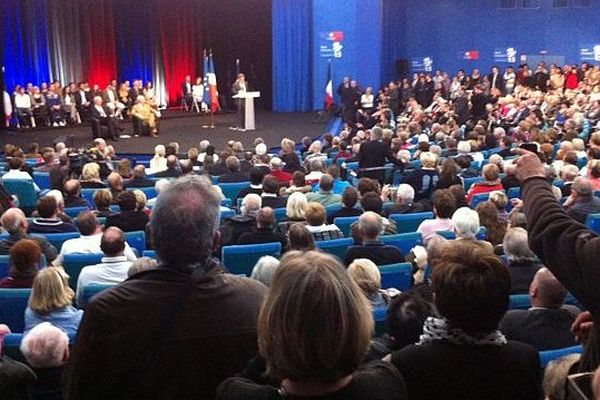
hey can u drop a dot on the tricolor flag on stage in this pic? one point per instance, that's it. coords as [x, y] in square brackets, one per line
[211, 95]
[329, 90]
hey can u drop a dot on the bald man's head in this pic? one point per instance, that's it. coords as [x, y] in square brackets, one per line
[72, 187]
[113, 242]
[14, 220]
[172, 161]
[546, 290]
[265, 218]
[370, 225]
[139, 171]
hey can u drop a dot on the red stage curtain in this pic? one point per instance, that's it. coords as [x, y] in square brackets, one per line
[99, 42]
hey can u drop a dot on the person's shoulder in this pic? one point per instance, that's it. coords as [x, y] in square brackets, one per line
[241, 389]
[380, 380]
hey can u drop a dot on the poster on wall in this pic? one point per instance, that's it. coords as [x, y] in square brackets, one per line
[590, 52]
[505, 55]
[421, 64]
[471, 55]
[332, 44]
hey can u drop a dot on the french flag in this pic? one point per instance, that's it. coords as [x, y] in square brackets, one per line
[329, 90]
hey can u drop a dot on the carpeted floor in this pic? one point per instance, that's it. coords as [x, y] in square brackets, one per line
[186, 129]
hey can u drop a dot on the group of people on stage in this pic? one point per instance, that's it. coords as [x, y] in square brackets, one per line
[429, 90]
[53, 105]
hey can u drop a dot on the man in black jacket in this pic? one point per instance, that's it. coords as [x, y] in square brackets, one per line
[73, 194]
[173, 170]
[373, 154]
[129, 219]
[233, 227]
[569, 249]
[139, 178]
[233, 174]
[169, 332]
[264, 231]
[370, 226]
[546, 325]
[102, 115]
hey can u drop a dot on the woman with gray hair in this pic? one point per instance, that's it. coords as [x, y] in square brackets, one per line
[521, 261]
[465, 222]
[265, 269]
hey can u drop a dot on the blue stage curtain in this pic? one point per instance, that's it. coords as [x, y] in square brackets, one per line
[24, 38]
[292, 44]
[394, 32]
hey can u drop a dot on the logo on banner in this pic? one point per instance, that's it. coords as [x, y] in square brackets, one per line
[590, 53]
[469, 55]
[505, 55]
[421, 64]
[332, 44]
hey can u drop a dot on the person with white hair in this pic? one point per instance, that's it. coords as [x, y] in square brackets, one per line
[366, 275]
[465, 224]
[159, 161]
[159, 186]
[233, 227]
[15, 223]
[264, 270]
[294, 210]
[403, 198]
[260, 149]
[522, 262]
[582, 201]
[46, 349]
[568, 173]
[103, 115]
[314, 153]
[146, 114]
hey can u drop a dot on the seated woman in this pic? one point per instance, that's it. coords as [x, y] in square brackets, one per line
[314, 345]
[46, 349]
[294, 209]
[103, 200]
[490, 183]
[148, 116]
[461, 354]
[25, 256]
[366, 275]
[90, 176]
[51, 301]
[488, 217]
[299, 238]
[521, 261]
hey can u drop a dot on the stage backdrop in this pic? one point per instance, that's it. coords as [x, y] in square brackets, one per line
[154, 40]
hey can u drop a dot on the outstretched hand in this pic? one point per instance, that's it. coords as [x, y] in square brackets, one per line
[528, 165]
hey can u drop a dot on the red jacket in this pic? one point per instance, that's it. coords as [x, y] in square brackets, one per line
[282, 176]
[483, 187]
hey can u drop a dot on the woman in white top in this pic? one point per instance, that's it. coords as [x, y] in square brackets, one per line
[367, 100]
[23, 106]
[159, 161]
[198, 93]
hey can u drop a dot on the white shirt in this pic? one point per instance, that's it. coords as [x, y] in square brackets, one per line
[16, 174]
[88, 245]
[22, 101]
[100, 110]
[111, 270]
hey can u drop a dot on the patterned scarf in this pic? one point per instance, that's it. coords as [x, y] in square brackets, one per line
[439, 330]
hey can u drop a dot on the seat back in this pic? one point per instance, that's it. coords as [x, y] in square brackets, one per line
[13, 303]
[57, 239]
[42, 179]
[149, 191]
[397, 276]
[149, 253]
[74, 263]
[280, 214]
[24, 190]
[336, 247]
[410, 222]
[479, 198]
[137, 240]
[89, 291]
[593, 222]
[4, 265]
[380, 318]
[227, 214]
[403, 241]
[73, 212]
[231, 190]
[88, 194]
[551, 355]
[240, 259]
[344, 224]
[514, 193]
[519, 302]
[332, 208]
[468, 182]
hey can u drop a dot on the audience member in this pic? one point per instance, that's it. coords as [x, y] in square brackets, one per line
[51, 301]
[546, 325]
[72, 190]
[403, 201]
[290, 320]
[316, 218]
[300, 238]
[490, 183]
[256, 177]
[115, 185]
[325, 196]
[264, 270]
[444, 205]
[234, 174]
[269, 196]
[139, 178]
[582, 201]
[25, 256]
[90, 176]
[488, 218]
[264, 231]
[233, 227]
[295, 211]
[471, 290]
[141, 264]
[349, 209]
[15, 223]
[16, 378]
[129, 219]
[521, 261]
[187, 212]
[366, 275]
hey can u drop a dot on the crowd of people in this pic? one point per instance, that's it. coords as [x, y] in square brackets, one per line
[302, 325]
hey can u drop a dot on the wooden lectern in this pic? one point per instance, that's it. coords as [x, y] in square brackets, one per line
[249, 97]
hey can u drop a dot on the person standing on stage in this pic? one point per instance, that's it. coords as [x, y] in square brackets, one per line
[240, 86]
[186, 87]
[146, 114]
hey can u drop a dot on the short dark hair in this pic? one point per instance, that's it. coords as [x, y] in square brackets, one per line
[24, 254]
[471, 287]
[87, 223]
[326, 183]
[113, 241]
[366, 185]
[350, 197]
[270, 184]
[127, 201]
[300, 238]
[46, 206]
[298, 178]
[256, 176]
[444, 203]
[406, 315]
[265, 218]
[371, 202]
[15, 163]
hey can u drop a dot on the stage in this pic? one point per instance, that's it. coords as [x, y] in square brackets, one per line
[185, 128]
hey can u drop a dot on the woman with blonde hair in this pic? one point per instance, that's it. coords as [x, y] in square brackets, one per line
[289, 157]
[295, 211]
[314, 345]
[90, 176]
[159, 161]
[51, 301]
[366, 275]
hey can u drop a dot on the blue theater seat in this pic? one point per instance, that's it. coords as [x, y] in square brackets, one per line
[397, 276]
[336, 247]
[24, 190]
[403, 241]
[519, 302]
[136, 240]
[42, 179]
[57, 239]
[479, 198]
[4, 265]
[406, 223]
[593, 222]
[240, 259]
[231, 190]
[73, 212]
[89, 291]
[468, 182]
[550, 355]
[149, 253]
[13, 303]
[74, 263]
[380, 318]
[344, 224]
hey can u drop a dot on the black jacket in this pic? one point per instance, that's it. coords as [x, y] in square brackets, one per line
[521, 275]
[231, 177]
[128, 221]
[139, 182]
[379, 253]
[265, 235]
[232, 228]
